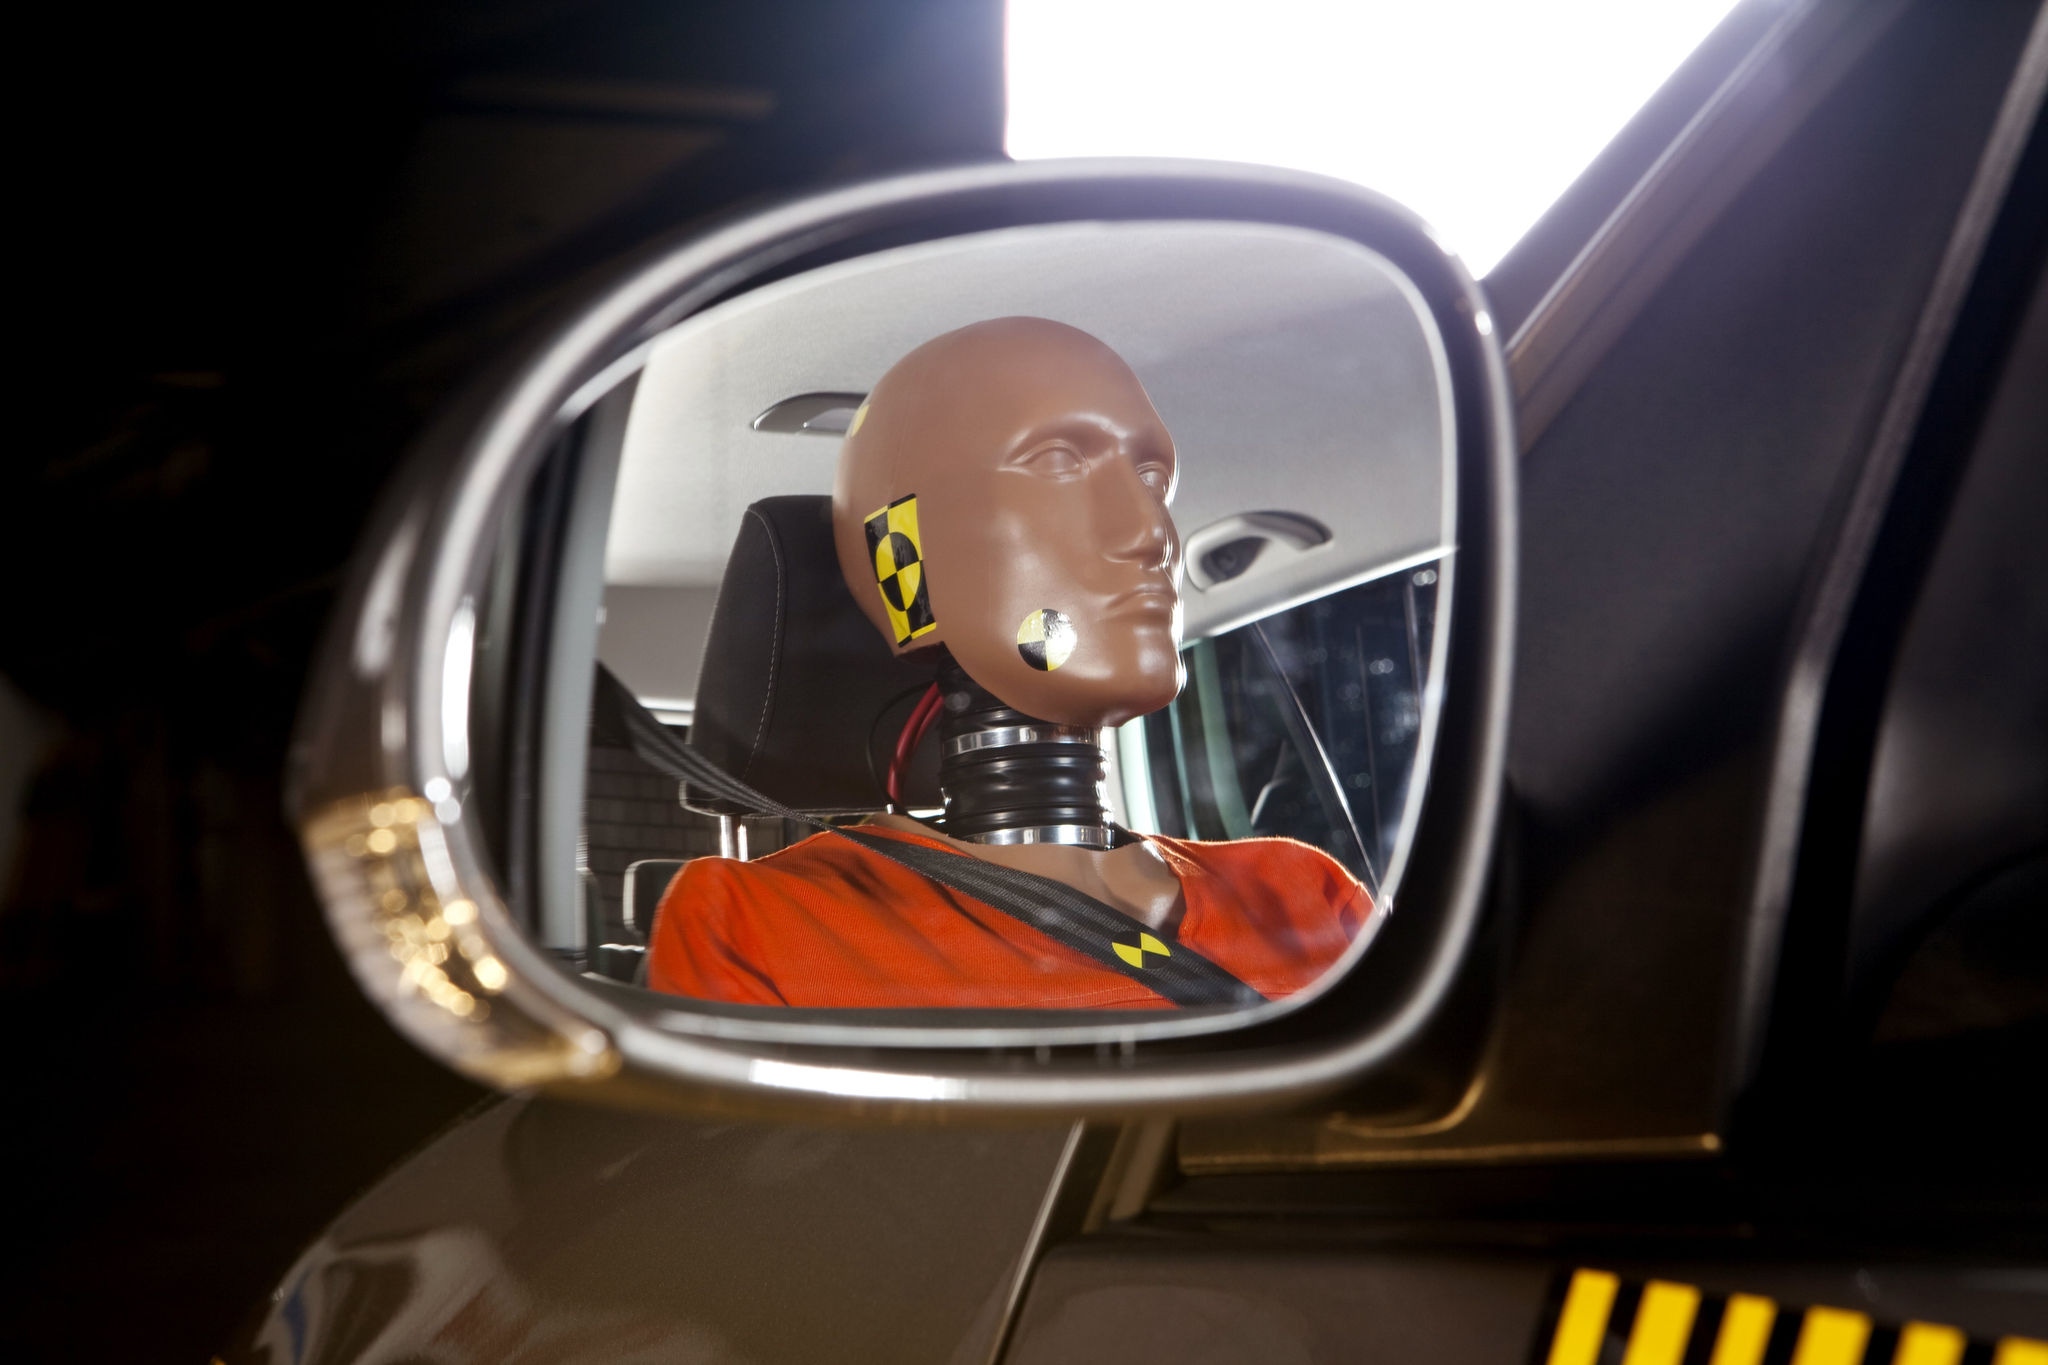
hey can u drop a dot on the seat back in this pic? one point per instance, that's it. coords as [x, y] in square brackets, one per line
[795, 679]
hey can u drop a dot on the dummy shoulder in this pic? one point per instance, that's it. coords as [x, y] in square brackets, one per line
[1275, 858]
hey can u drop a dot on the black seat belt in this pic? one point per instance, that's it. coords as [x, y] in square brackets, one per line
[1091, 927]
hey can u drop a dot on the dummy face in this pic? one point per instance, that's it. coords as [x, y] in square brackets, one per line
[1038, 547]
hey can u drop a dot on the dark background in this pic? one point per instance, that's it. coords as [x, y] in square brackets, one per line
[255, 248]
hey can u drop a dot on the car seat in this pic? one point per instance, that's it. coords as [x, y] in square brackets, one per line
[798, 696]
[796, 681]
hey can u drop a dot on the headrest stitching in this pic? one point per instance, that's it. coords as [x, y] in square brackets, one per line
[774, 645]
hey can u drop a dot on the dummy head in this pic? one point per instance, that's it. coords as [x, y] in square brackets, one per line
[1003, 492]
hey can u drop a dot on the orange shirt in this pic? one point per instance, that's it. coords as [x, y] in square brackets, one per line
[827, 924]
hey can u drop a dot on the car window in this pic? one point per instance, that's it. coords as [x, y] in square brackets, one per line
[1303, 725]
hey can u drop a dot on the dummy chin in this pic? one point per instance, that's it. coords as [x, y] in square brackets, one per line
[1003, 493]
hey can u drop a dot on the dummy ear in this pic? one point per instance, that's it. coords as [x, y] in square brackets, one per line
[896, 554]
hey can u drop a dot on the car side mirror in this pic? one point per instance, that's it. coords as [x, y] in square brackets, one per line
[648, 762]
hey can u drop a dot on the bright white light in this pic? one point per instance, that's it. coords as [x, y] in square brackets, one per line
[1476, 114]
[836, 1080]
[455, 664]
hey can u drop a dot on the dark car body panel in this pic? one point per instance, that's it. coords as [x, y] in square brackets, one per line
[539, 1232]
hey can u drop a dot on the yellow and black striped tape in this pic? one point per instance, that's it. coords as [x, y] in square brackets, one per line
[1605, 1319]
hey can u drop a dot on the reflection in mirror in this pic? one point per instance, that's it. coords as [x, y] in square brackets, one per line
[1036, 620]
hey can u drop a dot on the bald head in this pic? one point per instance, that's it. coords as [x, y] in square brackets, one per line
[1003, 492]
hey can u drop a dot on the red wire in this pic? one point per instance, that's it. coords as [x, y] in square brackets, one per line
[920, 720]
[904, 740]
[931, 718]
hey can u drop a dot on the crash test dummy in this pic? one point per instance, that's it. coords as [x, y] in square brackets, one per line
[1001, 506]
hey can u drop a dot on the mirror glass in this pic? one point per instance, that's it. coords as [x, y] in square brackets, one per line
[1032, 627]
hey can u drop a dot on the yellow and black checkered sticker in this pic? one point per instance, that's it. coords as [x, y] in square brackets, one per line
[1603, 1318]
[1046, 639]
[1140, 950]
[898, 558]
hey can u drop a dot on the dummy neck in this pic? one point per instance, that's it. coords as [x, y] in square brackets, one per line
[1008, 778]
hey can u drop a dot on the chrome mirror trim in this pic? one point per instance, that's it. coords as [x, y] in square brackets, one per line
[378, 726]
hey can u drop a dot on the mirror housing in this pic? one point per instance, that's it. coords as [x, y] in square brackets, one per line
[383, 785]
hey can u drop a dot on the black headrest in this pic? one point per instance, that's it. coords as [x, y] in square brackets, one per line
[795, 676]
